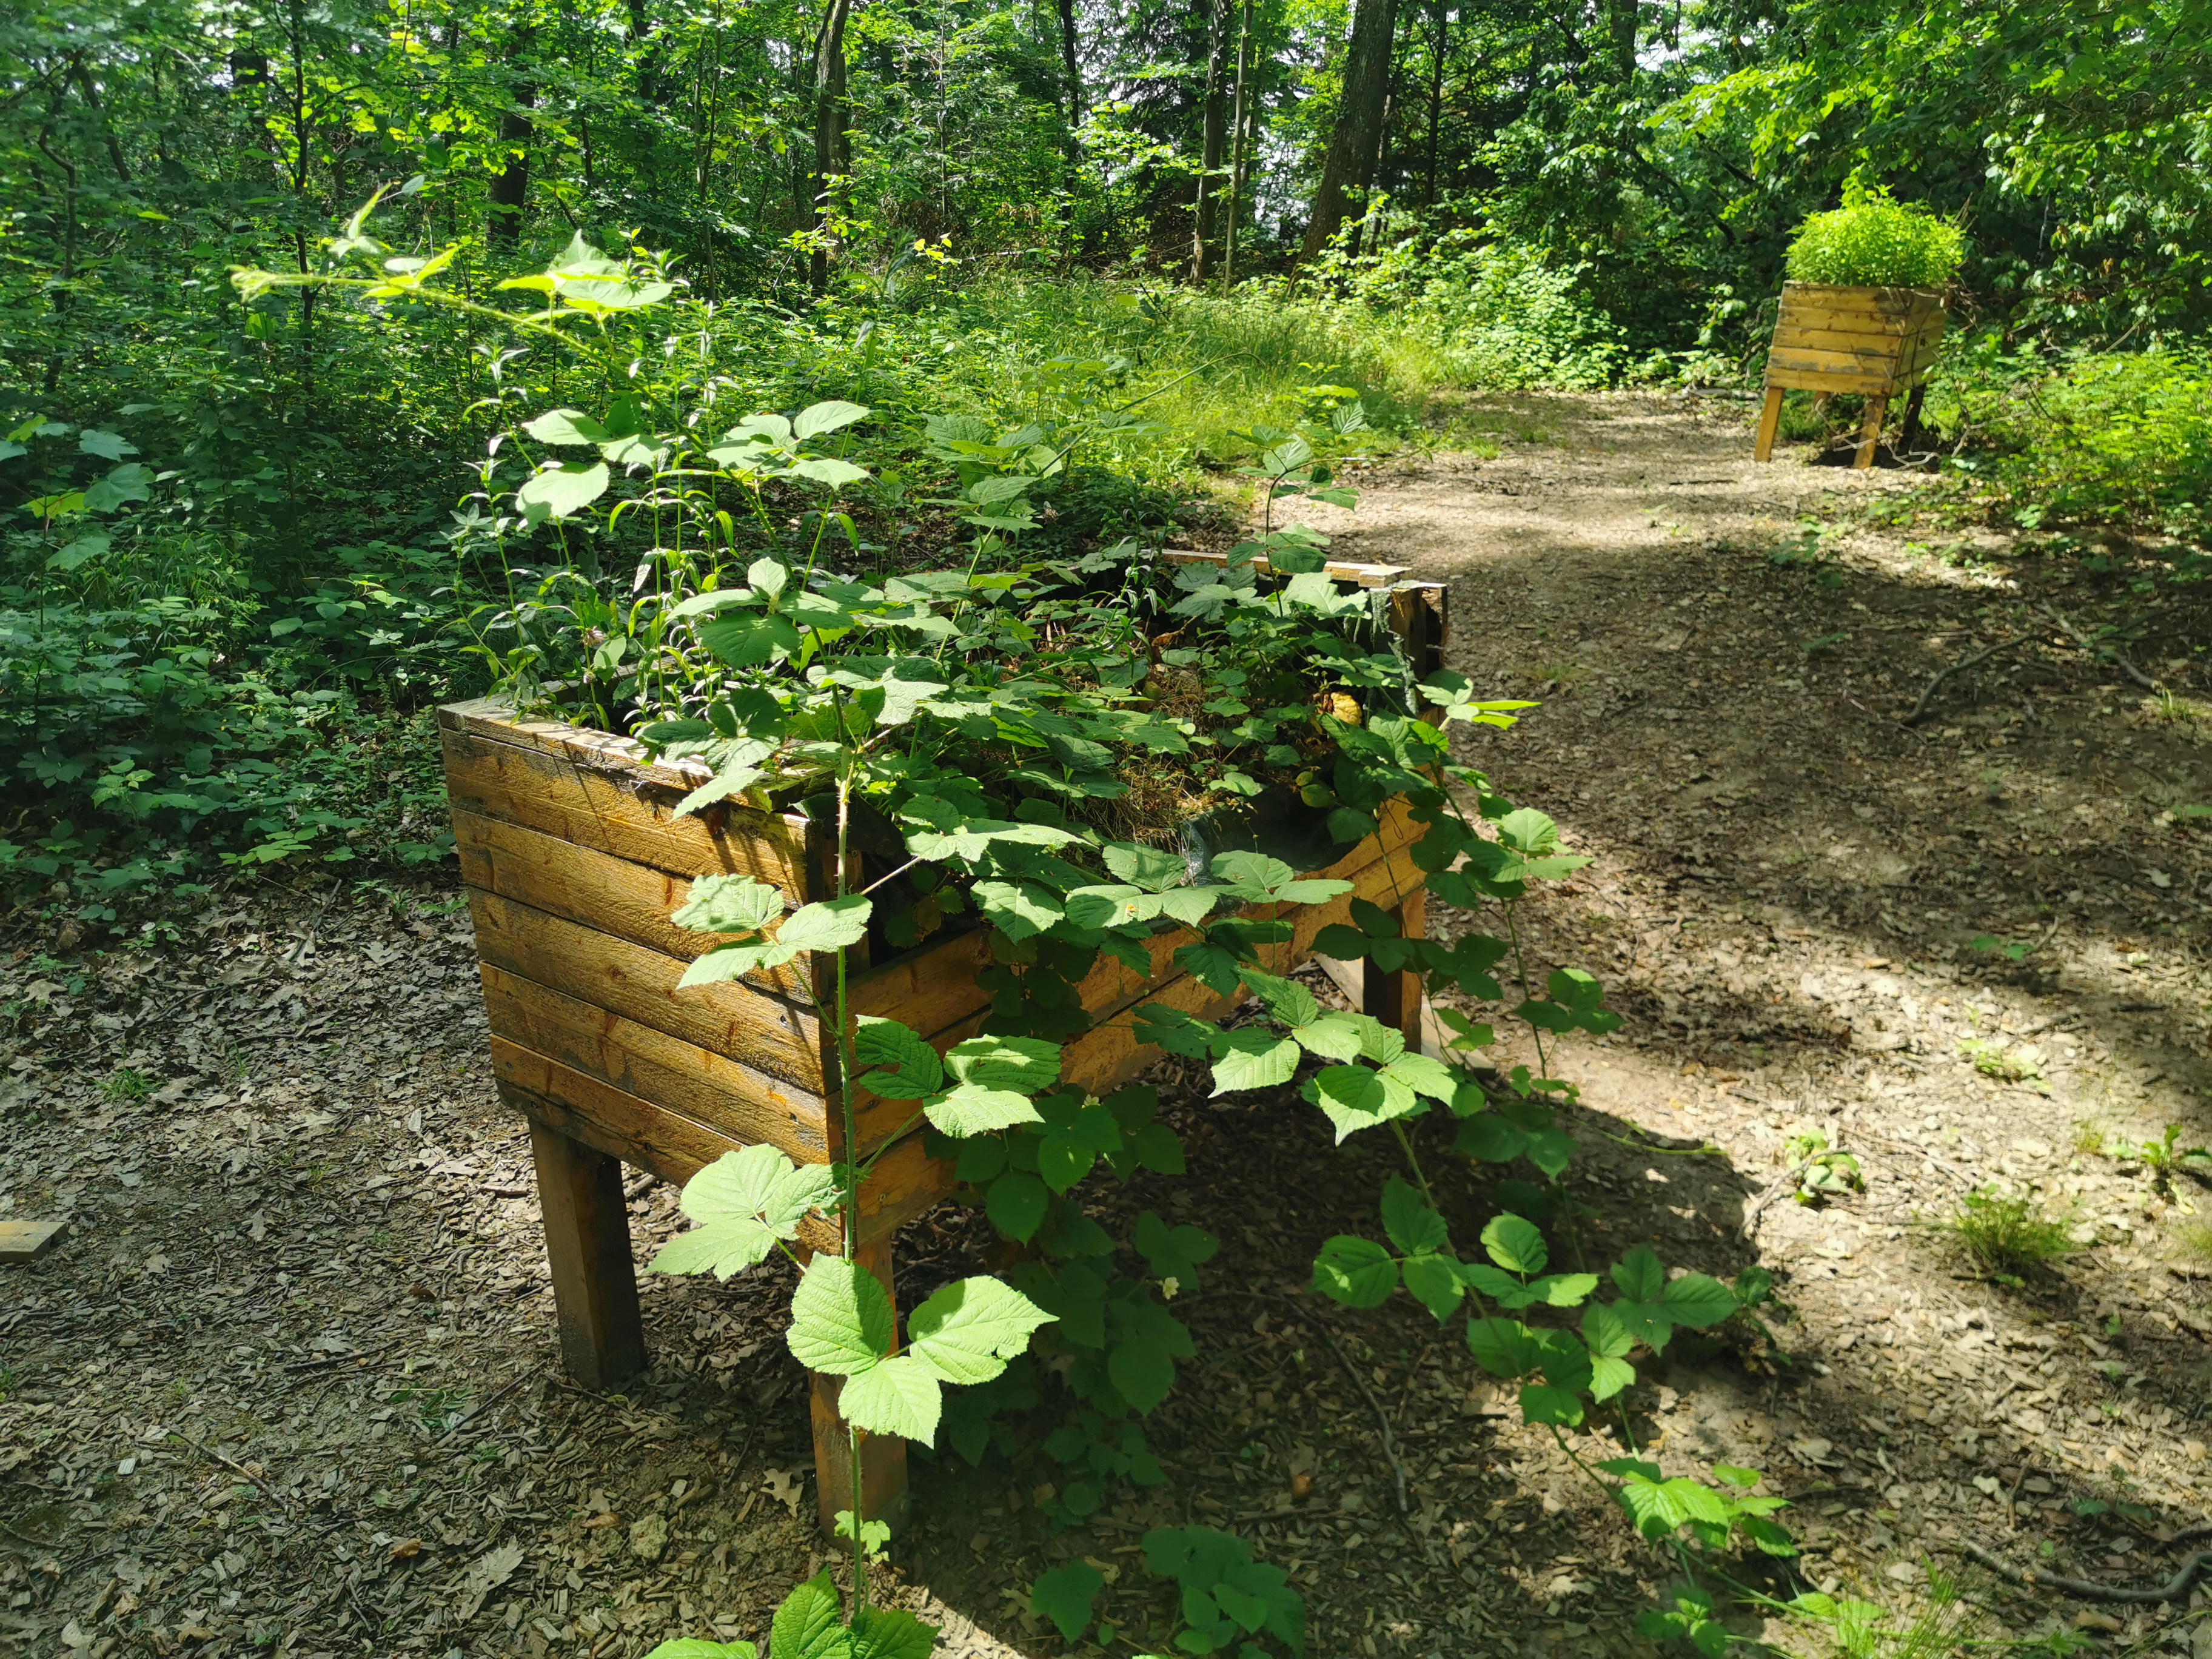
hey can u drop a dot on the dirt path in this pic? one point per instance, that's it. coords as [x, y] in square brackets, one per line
[290, 1387]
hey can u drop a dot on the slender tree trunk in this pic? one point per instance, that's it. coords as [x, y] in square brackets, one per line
[833, 148]
[1621, 24]
[510, 185]
[649, 88]
[1215, 120]
[1358, 137]
[1068, 46]
[1237, 151]
[82, 77]
[1440, 14]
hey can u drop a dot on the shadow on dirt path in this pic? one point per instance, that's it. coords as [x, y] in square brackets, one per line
[290, 1387]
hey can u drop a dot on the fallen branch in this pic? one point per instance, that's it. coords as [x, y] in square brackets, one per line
[229, 1463]
[1920, 708]
[2096, 649]
[2175, 1589]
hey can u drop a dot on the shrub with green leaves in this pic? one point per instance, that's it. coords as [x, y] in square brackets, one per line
[1875, 240]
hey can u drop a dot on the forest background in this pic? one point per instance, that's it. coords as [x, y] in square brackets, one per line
[246, 543]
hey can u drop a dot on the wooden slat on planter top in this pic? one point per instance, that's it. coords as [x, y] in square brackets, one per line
[765, 1032]
[597, 806]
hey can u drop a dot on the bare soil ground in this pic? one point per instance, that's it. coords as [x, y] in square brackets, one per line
[289, 1385]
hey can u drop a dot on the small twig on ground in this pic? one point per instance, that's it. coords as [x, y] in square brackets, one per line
[1926, 694]
[1382, 1418]
[2097, 649]
[505, 1390]
[1307, 1315]
[1774, 1190]
[2175, 1589]
[213, 1455]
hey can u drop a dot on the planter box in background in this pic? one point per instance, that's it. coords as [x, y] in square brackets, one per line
[1875, 341]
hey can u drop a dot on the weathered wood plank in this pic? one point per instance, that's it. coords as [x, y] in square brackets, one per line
[1881, 301]
[1342, 570]
[905, 1181]
[608, 809]
[1869, 348]
[26, 1241]
[708, 1087]
[1798, 379]
[608, 894]
[767, 1033]
[494, 718]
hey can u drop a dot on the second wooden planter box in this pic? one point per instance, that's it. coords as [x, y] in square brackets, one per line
[574, 859]
[1875, 341]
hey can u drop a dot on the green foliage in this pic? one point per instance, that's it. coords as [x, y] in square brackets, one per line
[2008, 1235]
[1822, 1170]
[1227, 1596]
[1873, 240]
[2084, 437]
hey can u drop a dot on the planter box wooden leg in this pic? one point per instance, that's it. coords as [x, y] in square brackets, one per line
[1396, 998]
[1770, 422]
[1908, 433]
[883, 1459]
[1870, 433]
[580, 1189]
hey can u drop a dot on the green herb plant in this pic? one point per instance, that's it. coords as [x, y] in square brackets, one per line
[1873, 240]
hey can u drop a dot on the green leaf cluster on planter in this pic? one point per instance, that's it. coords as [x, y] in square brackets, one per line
[1873, 240]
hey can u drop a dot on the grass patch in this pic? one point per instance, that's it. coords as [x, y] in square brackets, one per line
[1993, 1059]
[2008, 1236]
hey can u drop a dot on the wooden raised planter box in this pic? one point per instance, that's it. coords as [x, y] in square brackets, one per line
[1876, 342]
[574, 859]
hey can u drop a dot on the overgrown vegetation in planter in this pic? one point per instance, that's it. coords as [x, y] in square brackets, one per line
[1875, 240]
[1049, 752]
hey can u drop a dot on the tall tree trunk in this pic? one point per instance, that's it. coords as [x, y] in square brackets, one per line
[1214, 119]
[1237, 151]
[510, 185]
[1442, 18]
[1621, 24]
[833, 146]
[1358, 137]
[1067, 46]
[642, 41]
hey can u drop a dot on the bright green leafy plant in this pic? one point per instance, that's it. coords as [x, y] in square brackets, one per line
[1873, 240]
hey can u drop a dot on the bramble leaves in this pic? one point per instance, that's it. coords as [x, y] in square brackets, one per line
[969, 1330]
[1413, 1225]
[1065, 1595]
[1252, 1059]
[1356, 1271]
[840, 1318]
[910, 1067]
[842, 1324]
[744, 1202]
